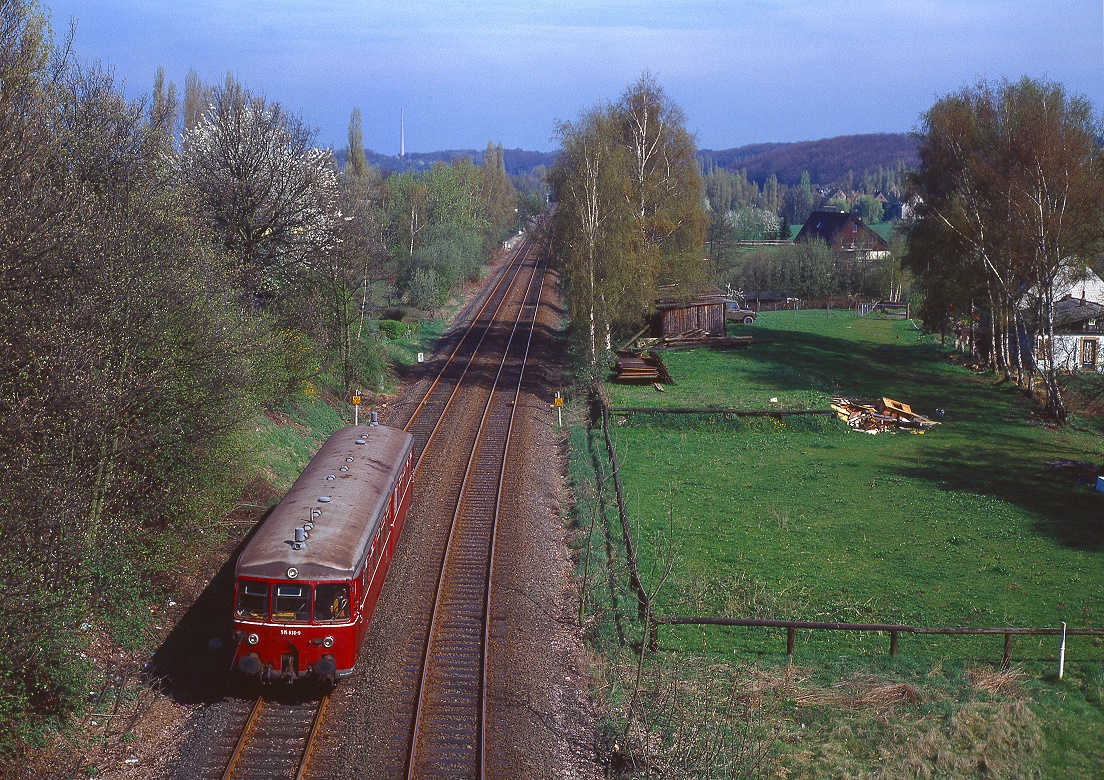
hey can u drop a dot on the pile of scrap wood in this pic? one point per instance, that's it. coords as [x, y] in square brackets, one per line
[642, 367]
[880, 415]
[692, 339]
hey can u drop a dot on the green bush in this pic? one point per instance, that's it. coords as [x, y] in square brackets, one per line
[427, 289]
[394, 329]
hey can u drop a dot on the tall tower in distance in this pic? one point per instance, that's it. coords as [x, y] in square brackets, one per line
[402, 132]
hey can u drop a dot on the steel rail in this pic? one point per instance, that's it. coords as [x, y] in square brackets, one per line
[516, 262]
[307, 748]
[428, 657]
[494, 532]
[243, 738]
[300, 769]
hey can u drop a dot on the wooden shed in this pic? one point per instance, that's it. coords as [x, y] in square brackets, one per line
[680, 308]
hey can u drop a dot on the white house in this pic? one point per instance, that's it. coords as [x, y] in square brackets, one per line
[1078, 321]
[1078, 329]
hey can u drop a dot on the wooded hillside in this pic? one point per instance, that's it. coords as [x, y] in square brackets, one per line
[827, 161]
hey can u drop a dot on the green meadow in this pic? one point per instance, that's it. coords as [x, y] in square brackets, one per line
[968, 524]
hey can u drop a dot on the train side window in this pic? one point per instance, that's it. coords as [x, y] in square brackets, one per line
[291, 604]
[253, 600]
[331, 602]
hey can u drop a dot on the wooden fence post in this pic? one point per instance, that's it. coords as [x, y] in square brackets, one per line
[790, 634]
[1007, 660]
[644, 609]
[893, 644]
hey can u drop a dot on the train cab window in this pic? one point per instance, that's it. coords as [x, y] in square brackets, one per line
[291, 604]
[253, 600]
[331, 602]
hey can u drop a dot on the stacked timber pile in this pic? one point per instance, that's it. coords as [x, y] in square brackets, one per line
[642, 367]
[879, 415]
[692, 339]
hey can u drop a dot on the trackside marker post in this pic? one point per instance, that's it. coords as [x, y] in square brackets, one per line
[356, 409]
[1062, 654]
[558, 403]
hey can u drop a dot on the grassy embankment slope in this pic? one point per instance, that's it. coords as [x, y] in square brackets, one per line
[803, 519]
[285, 439]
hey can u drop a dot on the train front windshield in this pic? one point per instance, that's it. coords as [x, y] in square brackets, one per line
[331, 602]
[291, 604]
[253, 600]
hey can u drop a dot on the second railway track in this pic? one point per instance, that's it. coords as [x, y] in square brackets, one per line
[449, 738]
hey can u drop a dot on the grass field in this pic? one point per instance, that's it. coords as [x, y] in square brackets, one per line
[804, 519]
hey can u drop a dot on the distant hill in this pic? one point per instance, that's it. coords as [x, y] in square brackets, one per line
[827, 160]
[517, 161]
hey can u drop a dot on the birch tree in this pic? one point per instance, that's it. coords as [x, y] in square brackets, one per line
[1011, 182]
[630, 212]
[590, 221]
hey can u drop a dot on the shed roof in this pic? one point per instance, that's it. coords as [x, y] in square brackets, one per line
[677, 296]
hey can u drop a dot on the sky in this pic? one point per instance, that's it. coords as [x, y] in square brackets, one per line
[465, 72]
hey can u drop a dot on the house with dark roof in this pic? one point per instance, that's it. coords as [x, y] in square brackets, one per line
[1078, 328]
[845, 234]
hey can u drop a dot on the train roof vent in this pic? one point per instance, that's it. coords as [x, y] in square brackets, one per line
[330, 477]
[361, 441]
[323, 499]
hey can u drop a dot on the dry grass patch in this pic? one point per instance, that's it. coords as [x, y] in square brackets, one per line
[989, 680]
[698, 718]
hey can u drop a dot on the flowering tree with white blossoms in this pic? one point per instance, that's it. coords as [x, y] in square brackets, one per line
[268, 193]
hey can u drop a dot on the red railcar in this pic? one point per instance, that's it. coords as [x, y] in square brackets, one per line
[308, 580]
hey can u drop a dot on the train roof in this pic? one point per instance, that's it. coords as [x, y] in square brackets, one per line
[350, 505]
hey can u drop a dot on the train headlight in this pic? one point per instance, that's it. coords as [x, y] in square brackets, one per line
[327, 642]
[252, 639]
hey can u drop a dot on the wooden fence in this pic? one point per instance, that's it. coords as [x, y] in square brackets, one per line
[894, 630]
[723, 412]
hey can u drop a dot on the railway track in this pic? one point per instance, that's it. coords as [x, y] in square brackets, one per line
[272, 742]
[445, 429]
[276, 737]
[425, 420]
[449, 738]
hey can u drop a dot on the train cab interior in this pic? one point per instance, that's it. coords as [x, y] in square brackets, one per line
[292, 602]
